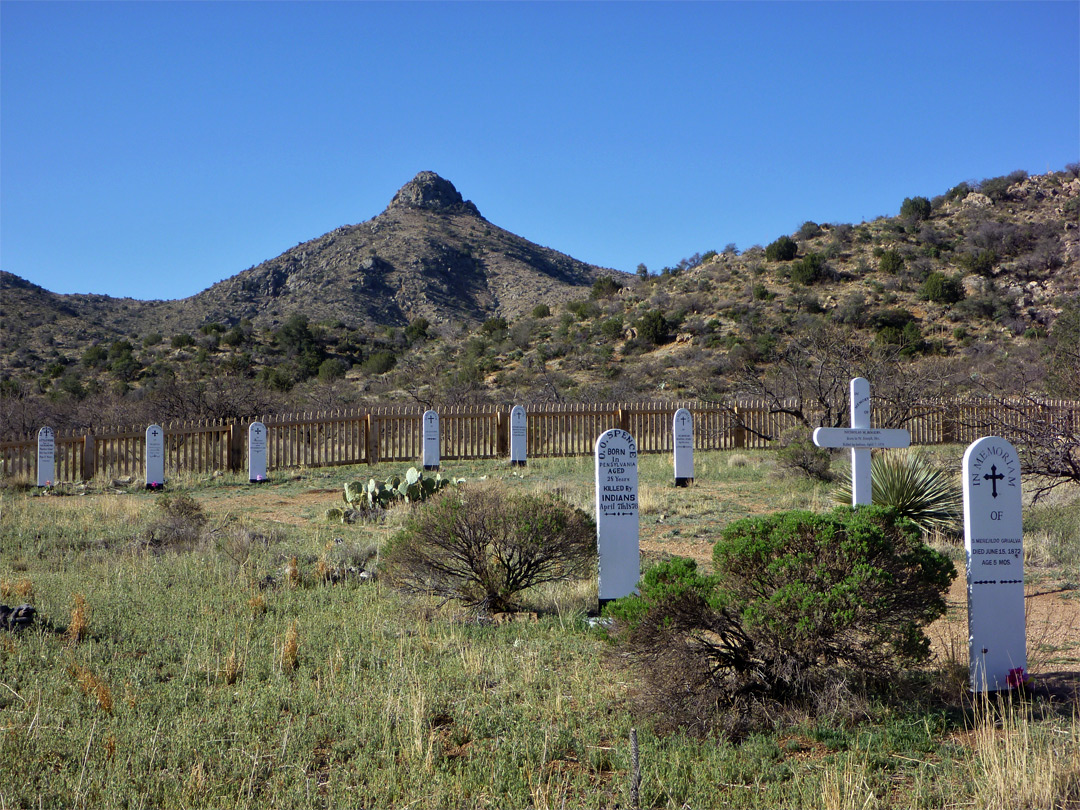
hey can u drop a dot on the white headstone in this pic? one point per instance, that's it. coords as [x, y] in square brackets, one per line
[46, 457]
[682, 430]
[431, 440]
[155, 457]
[518, 436]
[861, 438]
[994, 541]
[617, 514]
[256, 452]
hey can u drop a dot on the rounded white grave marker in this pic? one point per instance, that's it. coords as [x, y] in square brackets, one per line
[994, 542]
[256, 452]
[46, 457]
[431, 440]
[617, 514]
[518, 436]
[683, 432]
[155, 457]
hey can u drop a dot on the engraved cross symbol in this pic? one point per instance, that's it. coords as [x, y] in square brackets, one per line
[258, 431]
[431, 418]
[993, 477]
[682, 419]
[154, 433]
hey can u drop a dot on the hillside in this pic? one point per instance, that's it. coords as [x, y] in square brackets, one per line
[429, 255]
[428, 302]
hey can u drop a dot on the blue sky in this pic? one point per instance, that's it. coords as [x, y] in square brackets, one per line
[153, 149]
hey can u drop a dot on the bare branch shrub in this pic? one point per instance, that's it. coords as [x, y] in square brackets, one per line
[180, 526]
[483, 545]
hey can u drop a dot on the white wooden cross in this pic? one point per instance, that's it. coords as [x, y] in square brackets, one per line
[861, 438]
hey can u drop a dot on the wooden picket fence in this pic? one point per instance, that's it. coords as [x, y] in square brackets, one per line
[394, 434]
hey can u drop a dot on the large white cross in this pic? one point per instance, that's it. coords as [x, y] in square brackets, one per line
[861, 438]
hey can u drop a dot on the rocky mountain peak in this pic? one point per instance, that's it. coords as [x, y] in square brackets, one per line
[430, 192]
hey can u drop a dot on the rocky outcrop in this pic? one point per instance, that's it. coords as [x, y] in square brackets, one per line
[429, 192]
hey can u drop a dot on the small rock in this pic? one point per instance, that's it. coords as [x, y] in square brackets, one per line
[16, 618]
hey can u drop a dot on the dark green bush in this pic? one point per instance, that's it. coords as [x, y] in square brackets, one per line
[605, 287]
[483, 546]
[810, 269]
[797, 604]
[495, 327]
[379, 362]
[915, 209]
[808, 230]
[653, 327]
[782, 250]
[541, 311]
[417, 330]
[331, 369]
[584, 310]
[891, 262]
[981, 262]
[941, 289]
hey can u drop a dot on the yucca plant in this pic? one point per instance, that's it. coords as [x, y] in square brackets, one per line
[925, 494]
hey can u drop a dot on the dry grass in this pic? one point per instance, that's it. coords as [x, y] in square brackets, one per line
[1019, 763]
[79, 626]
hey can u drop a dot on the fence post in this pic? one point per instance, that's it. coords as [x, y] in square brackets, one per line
[372, 439]
[949, 417]
[624, 419]
[502, 434]
[234, 448]
[89, 459]
[738, 433]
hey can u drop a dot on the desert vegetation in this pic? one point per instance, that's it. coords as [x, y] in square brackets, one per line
[221, 644]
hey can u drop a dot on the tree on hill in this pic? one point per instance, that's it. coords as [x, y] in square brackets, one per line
[782, 250]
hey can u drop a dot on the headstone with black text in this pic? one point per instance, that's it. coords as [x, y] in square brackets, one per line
[155, 457]
[431, 440]
[861, 439]
[682, 430]
[46, 457]
[518, 436]
[994, 542]
[256, 452]
[617, 515]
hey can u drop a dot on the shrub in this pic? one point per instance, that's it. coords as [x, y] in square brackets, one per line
[605, 287]
[915, 209]
[379, 362]
[653, 327]
[584, 310]
[808, 230]
[908, 482]
[997, 188]
[941, 289]
[495, 327]
[331, 369]
[782, 250]
[982, 262]
[809, 270]
[483, 546]
[179, 526]
[891, 262]
[417, 330]
[797, 603]
[541, 311]
[799, 454]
